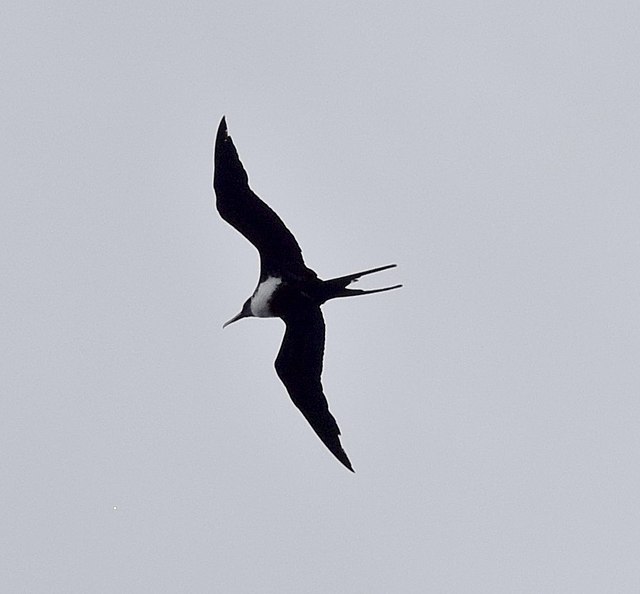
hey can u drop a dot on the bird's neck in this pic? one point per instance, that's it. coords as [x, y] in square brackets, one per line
[261, 298]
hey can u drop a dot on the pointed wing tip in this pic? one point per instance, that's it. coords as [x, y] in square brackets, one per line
[342, 457]
[222, 130]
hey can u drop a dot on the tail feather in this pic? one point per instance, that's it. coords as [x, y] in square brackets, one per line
[337, 287]
[345, 280]
[351, 292]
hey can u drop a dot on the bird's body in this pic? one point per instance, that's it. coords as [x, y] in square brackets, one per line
[262, 296]
[287, 289]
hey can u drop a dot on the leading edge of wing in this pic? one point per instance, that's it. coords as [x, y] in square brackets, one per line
[239, 206]
[299, 367]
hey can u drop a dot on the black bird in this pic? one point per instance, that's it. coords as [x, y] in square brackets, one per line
[287, 289]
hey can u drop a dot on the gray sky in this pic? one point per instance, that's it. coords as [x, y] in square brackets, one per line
[490, 408]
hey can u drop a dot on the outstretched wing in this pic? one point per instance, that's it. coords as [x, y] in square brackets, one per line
[299, 366]
[242, 209]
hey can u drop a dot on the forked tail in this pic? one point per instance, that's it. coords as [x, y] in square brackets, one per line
[337, 287]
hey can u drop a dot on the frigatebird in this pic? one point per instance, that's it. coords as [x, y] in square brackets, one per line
[287, 289]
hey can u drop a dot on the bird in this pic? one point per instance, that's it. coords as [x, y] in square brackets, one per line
[287, 289]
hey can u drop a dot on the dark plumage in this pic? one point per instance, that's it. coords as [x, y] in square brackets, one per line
[287, 289]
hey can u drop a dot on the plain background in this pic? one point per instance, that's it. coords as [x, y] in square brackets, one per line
[490, 407]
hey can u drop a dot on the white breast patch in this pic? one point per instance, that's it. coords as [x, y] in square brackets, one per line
[262, 296]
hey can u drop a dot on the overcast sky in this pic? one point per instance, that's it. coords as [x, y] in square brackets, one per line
[490, 407]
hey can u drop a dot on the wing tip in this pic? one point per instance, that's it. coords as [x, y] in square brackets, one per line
[342, 457]
[222, 129]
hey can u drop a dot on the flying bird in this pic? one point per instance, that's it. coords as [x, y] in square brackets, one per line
[286, 289]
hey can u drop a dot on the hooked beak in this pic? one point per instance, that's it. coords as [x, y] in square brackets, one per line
[241, 315]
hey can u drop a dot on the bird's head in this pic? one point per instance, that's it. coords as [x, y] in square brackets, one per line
[245, 312]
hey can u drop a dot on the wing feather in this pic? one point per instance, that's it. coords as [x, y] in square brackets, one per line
[299, 367]
[247, 213]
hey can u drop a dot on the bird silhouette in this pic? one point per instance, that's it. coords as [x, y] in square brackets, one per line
[287, 289]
